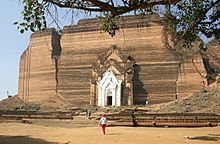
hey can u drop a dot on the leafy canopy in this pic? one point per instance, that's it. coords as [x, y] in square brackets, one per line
[185, 19]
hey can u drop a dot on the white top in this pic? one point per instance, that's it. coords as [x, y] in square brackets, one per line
[103, 120]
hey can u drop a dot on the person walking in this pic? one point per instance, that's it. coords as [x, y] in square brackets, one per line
[103, 123]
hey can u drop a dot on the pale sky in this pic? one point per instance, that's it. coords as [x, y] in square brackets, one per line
[12, 44]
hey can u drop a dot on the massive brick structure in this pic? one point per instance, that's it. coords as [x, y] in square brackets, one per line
[142, 67]
[37, 77]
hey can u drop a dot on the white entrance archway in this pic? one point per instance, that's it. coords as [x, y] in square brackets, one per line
[109, 90]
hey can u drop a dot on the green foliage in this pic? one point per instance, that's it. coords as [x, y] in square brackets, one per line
[146, 11]
[189, 18]
[185, 19]
[108, 24]
[33, 16]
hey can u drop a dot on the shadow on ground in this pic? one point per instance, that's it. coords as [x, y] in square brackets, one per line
[22, 140]
[210, 137]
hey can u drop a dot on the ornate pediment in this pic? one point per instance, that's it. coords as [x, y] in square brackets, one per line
[114, 60]
[112, 78]
[114, 53]
[109, 81]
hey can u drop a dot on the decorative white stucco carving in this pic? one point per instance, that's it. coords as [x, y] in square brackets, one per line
[109, 86]
[112, 79]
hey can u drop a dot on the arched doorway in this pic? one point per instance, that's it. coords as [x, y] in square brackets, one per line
[112, 79]
[109, 90]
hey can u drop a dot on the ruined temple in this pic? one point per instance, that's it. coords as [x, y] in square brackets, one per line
[85, 66]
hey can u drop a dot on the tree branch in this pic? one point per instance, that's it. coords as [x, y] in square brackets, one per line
[101, 6]
[73, 5]
[207, 10]
[144, 5]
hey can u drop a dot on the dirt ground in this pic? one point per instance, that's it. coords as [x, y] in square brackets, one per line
[52, 132]
[19, 133]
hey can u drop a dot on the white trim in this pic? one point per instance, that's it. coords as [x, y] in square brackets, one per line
[109, 82]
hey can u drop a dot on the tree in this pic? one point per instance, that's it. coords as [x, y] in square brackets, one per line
[185, 20]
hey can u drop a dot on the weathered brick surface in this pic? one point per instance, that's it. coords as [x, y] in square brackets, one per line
[189, 78]
[37, 68]
[157, 77]
[213, 52]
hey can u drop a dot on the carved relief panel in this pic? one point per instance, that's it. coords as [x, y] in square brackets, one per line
[112, 79]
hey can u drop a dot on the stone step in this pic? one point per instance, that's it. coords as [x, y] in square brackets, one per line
[76, 122]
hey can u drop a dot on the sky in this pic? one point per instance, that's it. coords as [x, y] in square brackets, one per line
[12, 45]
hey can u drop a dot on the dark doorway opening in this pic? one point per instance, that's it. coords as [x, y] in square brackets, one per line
[109, 100]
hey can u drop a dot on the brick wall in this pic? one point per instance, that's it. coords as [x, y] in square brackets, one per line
[157, 72]
[37, 68]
